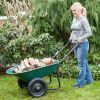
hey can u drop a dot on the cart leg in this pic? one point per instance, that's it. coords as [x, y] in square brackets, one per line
[59, 84]
[50, 79]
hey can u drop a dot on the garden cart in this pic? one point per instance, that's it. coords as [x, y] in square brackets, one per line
[33, 79]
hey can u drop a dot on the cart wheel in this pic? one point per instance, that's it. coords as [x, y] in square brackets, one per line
[22, 84]
[37, 87]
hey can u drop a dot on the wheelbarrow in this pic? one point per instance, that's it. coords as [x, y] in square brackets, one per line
[33, 79]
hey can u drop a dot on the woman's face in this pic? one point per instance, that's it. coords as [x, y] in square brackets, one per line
[75, 11]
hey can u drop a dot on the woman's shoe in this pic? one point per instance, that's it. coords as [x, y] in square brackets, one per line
[88, 83]
[76, 86]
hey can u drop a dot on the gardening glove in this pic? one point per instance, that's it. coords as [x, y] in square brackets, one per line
[79, 39]
[70, 41]
[73, 38]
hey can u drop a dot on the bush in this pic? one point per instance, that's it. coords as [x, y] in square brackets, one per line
[2, 8]
[69, 69]
[17, 45]
[96, 71]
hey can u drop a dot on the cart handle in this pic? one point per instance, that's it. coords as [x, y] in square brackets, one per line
[69, 52]
[58, 52]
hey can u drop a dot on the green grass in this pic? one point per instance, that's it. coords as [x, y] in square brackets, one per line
[9, 90]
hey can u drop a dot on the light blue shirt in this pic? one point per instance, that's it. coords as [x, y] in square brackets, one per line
[80, 28]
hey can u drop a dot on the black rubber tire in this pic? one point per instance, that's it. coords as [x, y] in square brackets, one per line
[22, 84]
[37, 87]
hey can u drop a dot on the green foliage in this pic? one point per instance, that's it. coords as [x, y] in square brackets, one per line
[94, 59]
[96, 71]
[1, 8]
[52, 17]
[94, 19]
[17, 45]
[8, 34]
[69, 70]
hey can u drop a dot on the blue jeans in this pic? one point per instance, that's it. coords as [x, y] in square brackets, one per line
[85, 75]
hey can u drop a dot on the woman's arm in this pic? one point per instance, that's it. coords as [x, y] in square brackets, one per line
[86, 28]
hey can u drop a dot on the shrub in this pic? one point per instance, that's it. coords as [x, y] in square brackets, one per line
[96, 71]
[16, 45]
[69, 69]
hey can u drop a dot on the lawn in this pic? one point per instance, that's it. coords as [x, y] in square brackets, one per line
[9, 90]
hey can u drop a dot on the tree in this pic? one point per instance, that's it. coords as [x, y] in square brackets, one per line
[54, 17]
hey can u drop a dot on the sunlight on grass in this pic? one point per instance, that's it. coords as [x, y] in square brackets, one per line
[9, 90]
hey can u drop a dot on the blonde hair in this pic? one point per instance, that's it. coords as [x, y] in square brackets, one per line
[78, 5]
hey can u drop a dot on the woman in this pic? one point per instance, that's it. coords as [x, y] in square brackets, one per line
[80, 32]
